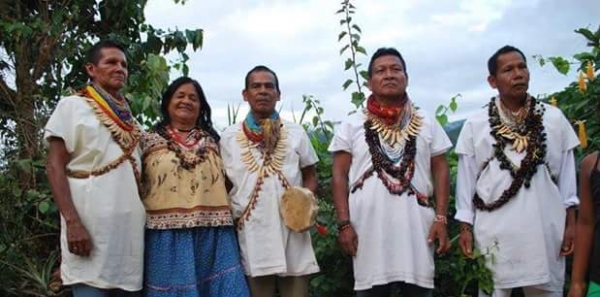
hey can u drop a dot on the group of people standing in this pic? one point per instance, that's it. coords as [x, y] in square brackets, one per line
[180, 210]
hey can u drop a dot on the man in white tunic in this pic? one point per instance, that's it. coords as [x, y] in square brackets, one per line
[263, 156]
[93, 166]
[516, 184]
[388, 161]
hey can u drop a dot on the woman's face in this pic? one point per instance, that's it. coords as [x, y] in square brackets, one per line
[184, 107]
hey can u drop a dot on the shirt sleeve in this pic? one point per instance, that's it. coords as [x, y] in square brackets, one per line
[464, 143]
[441, 142]
[570, 139]
[341, 139]
[567, 179]
[62, 123]
[465, 188]
[307, 153]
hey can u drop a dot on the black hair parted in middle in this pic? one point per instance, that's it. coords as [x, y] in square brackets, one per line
[204, 121]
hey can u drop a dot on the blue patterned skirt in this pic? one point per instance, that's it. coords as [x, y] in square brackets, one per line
[193, 262]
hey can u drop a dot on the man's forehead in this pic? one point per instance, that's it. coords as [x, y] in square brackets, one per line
[387, 60]
[112, 52]
[510, 57]
[261, 77]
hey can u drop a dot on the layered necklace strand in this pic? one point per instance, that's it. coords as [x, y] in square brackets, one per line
[391, 136]
[251, 138]
[534, 147]
[118, 105]
[115, 115]
[194, 153]
[512, 125]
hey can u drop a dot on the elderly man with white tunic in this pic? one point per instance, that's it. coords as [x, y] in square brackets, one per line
[93, 167]
[388, 161]
[516, 184]
[263, 157]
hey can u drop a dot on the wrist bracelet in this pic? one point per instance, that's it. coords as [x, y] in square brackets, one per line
[465, 228]
[341, 225]
[441, 218]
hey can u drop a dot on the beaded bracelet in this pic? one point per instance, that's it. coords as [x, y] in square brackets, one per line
[465, 228]
[343, 225]
[441, 218]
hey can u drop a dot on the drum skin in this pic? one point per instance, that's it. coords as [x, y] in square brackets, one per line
[298, 208]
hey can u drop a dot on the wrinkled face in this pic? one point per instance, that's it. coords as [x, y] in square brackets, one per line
[388, 78]
[110, 72]
[512, 77]
[261, 94]
[184, 106]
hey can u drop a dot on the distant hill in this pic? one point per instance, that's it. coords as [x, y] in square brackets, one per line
[453, 129]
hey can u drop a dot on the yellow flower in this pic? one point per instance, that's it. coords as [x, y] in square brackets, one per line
[582, 83]
[553, 101]
[589, 70]
[582, 134]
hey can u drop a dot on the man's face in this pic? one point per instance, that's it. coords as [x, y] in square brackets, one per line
[110, 72]
[388, 78]
[512, 76]
[261, 94]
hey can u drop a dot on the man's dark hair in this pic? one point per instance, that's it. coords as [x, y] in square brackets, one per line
[93, 55]
[260, 68]
[493, 61]
[385, 51]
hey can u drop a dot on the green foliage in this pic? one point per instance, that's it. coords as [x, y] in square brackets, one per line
[352, 33]
[441, 112]
[583, 105]
[43, 46]
[28, 235]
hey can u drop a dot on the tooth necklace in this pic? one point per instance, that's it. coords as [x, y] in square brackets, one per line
[272, 164]
[393, 124]
[534, 147]
[511, 125]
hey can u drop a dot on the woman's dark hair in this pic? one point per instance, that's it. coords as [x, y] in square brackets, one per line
[204, 120]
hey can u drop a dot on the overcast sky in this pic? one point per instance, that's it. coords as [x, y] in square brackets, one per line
[446, 44]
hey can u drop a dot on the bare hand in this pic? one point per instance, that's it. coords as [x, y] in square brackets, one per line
[78, 239]
[348, 240]
[577, 290]
[465, 242]
[438, 231]
[568, 244]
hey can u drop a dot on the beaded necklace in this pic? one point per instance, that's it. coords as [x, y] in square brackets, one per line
[195, 151]
[117, 108]
[535, 151]
[252, 128]
[271, 165]
[125, 133]
[404, 143]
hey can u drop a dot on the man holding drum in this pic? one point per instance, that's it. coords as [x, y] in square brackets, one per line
[266, 158]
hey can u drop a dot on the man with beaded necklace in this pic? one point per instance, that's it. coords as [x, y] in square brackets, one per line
[263, 156]
[516, 184]
[93, 167]
[387, 163]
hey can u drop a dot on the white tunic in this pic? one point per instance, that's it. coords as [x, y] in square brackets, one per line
[392, 230]
[524, 235]
[108, 205]
[267, 246]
